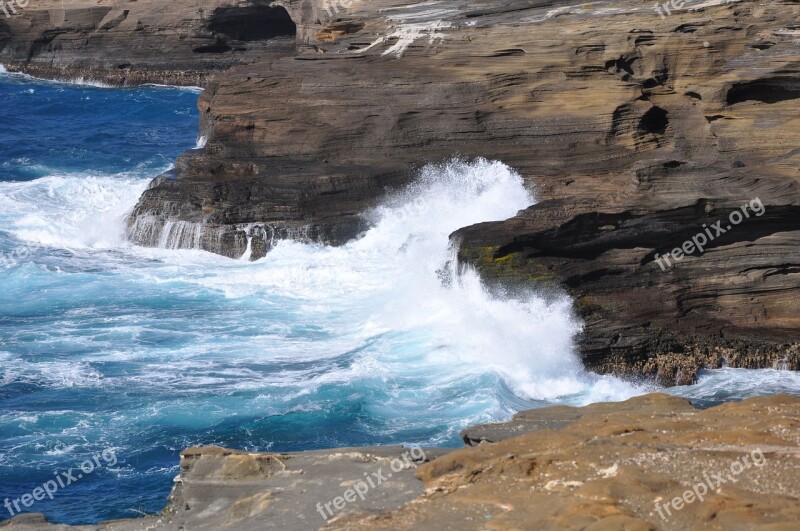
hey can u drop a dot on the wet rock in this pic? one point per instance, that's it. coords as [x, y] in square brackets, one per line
[636, 131]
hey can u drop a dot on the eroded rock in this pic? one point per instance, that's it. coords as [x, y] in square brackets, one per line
[634, 129]
[609, 468]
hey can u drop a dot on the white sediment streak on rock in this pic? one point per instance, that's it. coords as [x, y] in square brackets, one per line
[709, 3]
[406, 34]
[413, 22]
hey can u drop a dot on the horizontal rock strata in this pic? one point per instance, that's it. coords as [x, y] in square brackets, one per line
[145, 41]
[634, 128]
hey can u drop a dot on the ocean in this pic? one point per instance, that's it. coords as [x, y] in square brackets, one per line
[105, 346]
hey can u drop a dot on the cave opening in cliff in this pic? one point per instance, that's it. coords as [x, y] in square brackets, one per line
[252, 23]
[770, 90]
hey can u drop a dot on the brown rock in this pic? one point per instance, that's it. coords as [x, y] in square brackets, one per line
[605, 468]
[634, 129]
[608, 469]
[633, 132]
[229, 489]
[146, 41]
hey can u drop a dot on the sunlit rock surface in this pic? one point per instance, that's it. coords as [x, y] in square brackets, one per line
[649, 463]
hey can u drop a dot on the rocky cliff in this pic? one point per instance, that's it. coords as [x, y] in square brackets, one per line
[638, 129]
[650, 463]
[124, 42]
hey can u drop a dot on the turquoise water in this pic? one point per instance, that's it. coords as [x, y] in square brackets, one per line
[144, 352]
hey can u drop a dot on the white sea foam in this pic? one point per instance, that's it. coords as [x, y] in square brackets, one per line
[62, 449]
[70, 210]
[738, 384]
[390, 281]
[89, 82]
[57, 374]
[190, 88]
[381, 297]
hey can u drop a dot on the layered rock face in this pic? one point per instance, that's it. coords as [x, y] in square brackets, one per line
[652, 462]
[637, 132]
[709, 131]
[141, 41]
[637, 129]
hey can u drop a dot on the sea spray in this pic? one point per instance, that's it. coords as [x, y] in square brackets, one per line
[389, 282]
[147, 350]
[527, 341]
[67, 211]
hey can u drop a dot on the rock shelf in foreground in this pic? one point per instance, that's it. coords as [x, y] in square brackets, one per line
[603, 466]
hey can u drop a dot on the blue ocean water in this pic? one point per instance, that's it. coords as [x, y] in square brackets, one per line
[145, 352]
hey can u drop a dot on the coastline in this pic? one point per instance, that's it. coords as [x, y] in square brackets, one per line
[102, 81]
[636, 131]
[625, 142]
[622, 465]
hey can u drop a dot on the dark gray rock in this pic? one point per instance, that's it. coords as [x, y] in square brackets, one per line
[147, 41]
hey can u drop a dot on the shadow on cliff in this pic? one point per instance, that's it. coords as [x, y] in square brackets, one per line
[232, 25]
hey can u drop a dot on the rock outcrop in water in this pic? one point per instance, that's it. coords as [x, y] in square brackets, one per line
[627, 465]
[635, 128]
